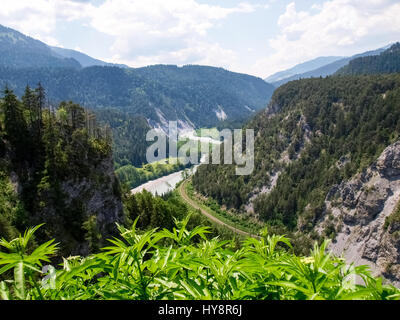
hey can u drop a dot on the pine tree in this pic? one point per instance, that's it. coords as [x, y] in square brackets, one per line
[40, 105]
[29, 104]
[132, 207]
[15, 126]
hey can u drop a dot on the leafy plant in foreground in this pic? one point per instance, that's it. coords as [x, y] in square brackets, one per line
[24, 264]
[182, 264]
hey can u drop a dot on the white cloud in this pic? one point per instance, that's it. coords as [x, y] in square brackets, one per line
[157, 28]
[195, 52]
[144, 32]
[38, 18]
[336, 27]
[176, 31]
[29, 17]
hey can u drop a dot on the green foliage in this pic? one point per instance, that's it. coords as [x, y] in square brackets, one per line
[387, 62]
[43, 150]
[393, 220]
[129, 137]
[153, 212]
[134, 176]
[25, 264]
[318, 122]
[12, 213]
[183, 264]
[189, 93]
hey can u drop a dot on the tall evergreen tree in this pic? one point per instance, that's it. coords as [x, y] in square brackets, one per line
[29, 104]
[14, 123]
[40, 105]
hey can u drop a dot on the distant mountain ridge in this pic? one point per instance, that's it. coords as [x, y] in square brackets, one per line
[325, 70]
[386, 62]
[195, 96]
[302, 68]
[83, 59]
[20, 51]
[192, 95]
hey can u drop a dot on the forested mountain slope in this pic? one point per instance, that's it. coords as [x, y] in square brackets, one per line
[128, 135]
[20, 51]
[387, 62]
[56, 168]
[315, 134]
[195, 96]
[302, 68]
[327, 69]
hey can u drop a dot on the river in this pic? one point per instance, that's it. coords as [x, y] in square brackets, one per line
[168, 183]
[164, 184]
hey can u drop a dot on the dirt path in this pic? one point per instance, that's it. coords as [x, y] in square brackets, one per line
[193, 204]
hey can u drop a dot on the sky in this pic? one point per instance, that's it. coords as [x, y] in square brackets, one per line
[257, 37]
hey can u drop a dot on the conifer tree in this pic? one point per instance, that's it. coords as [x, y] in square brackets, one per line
[15, 126]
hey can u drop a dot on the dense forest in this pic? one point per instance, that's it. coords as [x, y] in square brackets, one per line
[191, 94]
[327, 69]
[128, 136]
[57, 168]
[54, 161]
[314, 134]
[387, 62]
[194, 95]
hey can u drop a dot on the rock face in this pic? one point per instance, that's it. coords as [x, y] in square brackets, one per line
[358, 209]
[99, 196]
[95, 194]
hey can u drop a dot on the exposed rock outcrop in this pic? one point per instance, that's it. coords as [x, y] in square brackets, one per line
[358, 209]
[96, 194]
[100, 196]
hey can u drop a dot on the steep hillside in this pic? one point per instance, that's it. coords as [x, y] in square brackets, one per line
[387, 62]
[195, 96]
[56, 168]
[128, 136]
[363, 214]
[315, 134]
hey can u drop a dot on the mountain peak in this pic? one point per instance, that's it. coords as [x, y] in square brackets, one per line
[20, 51]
